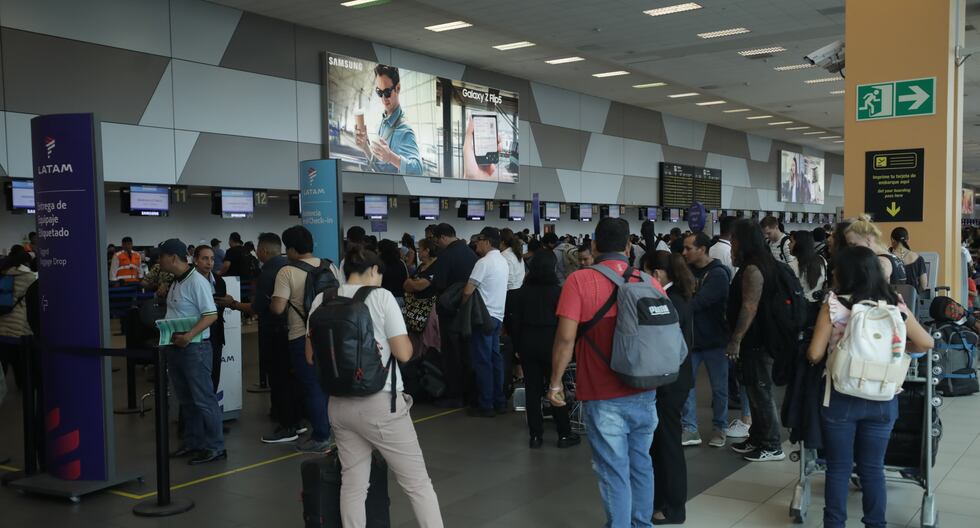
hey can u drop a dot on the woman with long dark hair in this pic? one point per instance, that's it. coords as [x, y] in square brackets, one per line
[810, 268]
[535, 324]
[669, 466]
[395, 269]
[747, 345]
[915, 266]
[409, 253]
[856, 431]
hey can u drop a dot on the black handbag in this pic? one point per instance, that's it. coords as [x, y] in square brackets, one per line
[417, 312]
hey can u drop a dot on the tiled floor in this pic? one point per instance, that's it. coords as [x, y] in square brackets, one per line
[484, 475]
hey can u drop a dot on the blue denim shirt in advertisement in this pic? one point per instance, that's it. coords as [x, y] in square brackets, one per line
[401, 140]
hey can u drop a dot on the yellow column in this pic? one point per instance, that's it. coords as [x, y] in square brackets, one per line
[894, 40]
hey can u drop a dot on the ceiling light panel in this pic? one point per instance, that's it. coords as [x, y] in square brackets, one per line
[363, 3]
[762, 51]
[837, 92]
[793, 67]
[616, 73]
[829, 137]
[724, 33]
[798, 128]
[710, 103]
[650, 85]
[777, 123]
[449, 26]
[680, 95]
[736, 110]
[514, 45]
[824, 80]
[564, 60]
[812, 133]
[758, 117]
[670, 10]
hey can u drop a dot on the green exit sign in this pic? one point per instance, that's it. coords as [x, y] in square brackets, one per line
[885, 100]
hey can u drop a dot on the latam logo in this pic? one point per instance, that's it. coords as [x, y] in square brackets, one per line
[49, 145]
[311, 174]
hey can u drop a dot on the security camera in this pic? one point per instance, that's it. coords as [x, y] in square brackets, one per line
[829, 57]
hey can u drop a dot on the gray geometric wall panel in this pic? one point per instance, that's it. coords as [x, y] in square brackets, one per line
[641, 158]
[686, 156]
[426, 64]
[557, 106]
[762, 175]
[151, 149]
[562, 148]
[308, 112]
[734, 171]
[127, 24]
[684, 132]
[184, 141]
[600, 187]
[604, 154]
[745, 199]
[233, 161]
[635, 123]
[20, 160]
[726, 141]
[262, 45]
[201, 30]
[571, 184]
[310, 43]
[544, 181]
[160, 110]
[594, 112]
[639, 191]
[759, 147]
[3, 143]
[113, 83]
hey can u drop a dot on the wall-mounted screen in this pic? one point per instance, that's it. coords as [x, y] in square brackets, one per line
[967, 202]
[237, 203]
[515, 210]
[552, 211]
[22, 195]
[801, 178]
[484, 130]
[428, 208]
[682, 185]
[375, 206]
[675, 215]
[611, 211]
[476, 209]
[381, 118]
[585, 212]
[149, 200]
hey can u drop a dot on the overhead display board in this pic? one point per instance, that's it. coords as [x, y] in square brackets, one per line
[682, 185]
[893, 184]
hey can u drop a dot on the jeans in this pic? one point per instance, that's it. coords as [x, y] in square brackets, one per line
[621, 433]
[855, 434]
[190, 373]
[717, 365]
[735, 388]
[755, 375]
[314, 397]
[488, 366]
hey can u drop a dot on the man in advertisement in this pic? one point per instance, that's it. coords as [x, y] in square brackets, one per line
[396, 150]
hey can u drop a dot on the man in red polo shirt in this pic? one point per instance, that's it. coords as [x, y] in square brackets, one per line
[620, 420]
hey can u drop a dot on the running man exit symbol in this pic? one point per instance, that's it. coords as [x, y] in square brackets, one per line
[876, 100]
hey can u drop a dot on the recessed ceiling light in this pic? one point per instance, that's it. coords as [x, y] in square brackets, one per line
[616, 73]
[824, 80]
[812, 133]
[670, 10]
[775, 123]
[363, 3]
[837, 92]
[762, 51]
[723, 33]
[448, 26]
[793, 67]
[829, 137]
[564, 60]
[839, 141]
[736, 110]
[514, 45]
[798, 128]
[650, 85]
[710, 103]
[678, 96]
[759, 117]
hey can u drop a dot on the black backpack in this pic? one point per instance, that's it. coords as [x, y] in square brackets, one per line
[318, 280]
[784, 308]
[346, 355]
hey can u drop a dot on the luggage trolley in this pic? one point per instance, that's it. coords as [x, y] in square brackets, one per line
[924, 372]
[575, 417]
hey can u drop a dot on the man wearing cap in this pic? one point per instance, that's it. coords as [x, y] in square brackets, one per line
[190, 363]
[489, 277]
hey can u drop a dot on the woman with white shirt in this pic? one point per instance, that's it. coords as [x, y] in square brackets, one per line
[511, 248]
[811, 269]
[364, 423]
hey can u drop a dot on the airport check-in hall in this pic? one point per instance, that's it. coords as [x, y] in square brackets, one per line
[395, 263]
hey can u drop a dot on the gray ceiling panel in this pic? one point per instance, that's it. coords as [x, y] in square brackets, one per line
[262, 45]
[114, 84]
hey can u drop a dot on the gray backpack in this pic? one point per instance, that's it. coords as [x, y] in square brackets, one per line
[648, 346]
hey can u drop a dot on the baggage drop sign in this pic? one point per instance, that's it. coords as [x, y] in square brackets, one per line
[893, 185]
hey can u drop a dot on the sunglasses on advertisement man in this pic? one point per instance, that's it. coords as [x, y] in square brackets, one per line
[386, 93]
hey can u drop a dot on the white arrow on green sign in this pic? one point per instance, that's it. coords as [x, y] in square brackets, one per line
[885, 100]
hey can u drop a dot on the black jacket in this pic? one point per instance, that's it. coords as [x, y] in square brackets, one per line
[263, 292]
[534, 311]
[709, 306]
[468, 316]
[685, 379]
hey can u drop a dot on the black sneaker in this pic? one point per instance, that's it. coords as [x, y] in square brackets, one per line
[765, 455]
[744, 447]
[281, 435]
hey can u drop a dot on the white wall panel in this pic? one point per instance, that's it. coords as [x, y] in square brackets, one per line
[571, 184]
[836, 186]
[605, 154]
[759, 147]
[223, 101]
[308, 112]
[598, 187]
[734, 171]
[19, 156]
[137, 154]
[593, 112]
[426, 64]
[527, 148]
[556, 106]
[641, 158]
[159, 111]
[138, 25]
[3, 142]
[684, 132]
[184, 141]
[200, 30]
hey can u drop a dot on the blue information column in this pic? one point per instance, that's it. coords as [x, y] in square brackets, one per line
[72, 289]
[321, 206]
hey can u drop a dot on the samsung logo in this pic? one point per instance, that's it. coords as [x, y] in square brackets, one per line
[348, 64]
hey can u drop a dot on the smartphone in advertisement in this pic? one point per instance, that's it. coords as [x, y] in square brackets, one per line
[485, 139]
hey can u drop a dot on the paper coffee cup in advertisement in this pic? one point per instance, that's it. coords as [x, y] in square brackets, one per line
[359, 119]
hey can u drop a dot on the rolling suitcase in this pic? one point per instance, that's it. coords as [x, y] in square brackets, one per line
[321, 492]
[957, 356]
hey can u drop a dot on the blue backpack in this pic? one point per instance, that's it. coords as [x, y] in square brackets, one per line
[7, 300]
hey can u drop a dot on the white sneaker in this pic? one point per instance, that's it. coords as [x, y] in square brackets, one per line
[738, 429]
